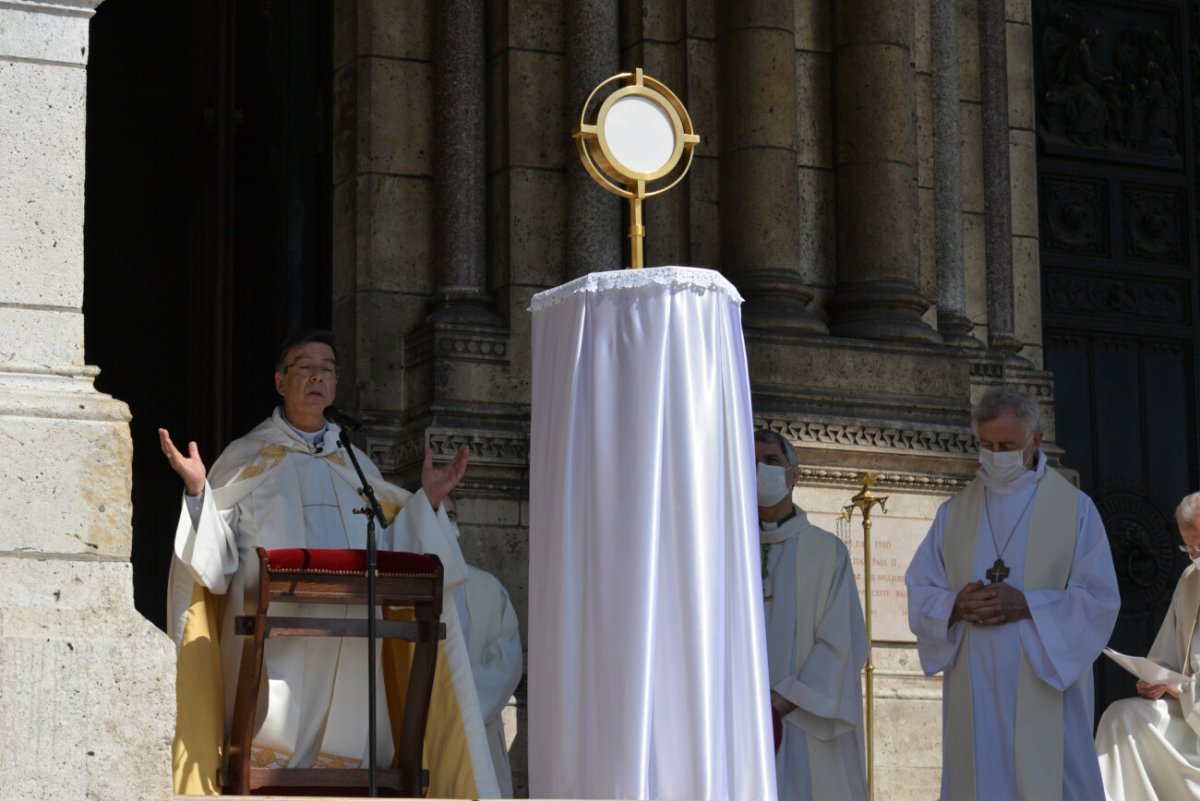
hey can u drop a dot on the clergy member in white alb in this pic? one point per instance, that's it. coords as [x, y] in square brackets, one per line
[1149, 747]
[1013, 595]
[816, 639]
[288, 484]
[489, 625]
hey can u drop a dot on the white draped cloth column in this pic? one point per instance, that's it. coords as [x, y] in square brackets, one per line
[647, 651]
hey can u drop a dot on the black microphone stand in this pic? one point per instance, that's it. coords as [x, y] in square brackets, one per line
[373, 513]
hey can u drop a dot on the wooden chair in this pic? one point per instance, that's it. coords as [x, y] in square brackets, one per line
[339, 576]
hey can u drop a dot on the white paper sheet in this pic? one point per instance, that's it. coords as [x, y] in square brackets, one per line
[1146, 670]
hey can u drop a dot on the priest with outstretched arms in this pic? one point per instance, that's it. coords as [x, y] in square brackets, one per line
[816, 639]
[287, 484]
[1149, 746]
[1012, 595]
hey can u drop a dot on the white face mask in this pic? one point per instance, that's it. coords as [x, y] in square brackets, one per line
[772, 484]
[1005, 466]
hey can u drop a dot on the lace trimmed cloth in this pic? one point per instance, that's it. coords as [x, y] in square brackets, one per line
[694, 279]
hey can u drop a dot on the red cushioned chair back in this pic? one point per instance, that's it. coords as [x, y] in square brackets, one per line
[351, 560]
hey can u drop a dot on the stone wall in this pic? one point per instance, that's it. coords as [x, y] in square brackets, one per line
[86, 683]
[815, 189]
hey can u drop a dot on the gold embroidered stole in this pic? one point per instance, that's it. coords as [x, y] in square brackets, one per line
[1039, 721]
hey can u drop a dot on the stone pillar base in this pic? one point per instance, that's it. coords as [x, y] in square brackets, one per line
[955, 329]
[1009, 347]
[463, 304]
[88, 682]
[887, 309]
[776, 301]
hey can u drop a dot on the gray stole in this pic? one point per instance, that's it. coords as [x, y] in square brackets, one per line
[1048, 558]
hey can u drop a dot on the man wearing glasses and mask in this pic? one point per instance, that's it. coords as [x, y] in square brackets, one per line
[1149, 747]
[816, 639]
[1013, 595]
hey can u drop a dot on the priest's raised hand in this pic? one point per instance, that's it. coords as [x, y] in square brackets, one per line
[190, 468]
[438, 482]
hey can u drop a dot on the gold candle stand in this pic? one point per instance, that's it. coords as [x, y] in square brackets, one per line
[864, 501]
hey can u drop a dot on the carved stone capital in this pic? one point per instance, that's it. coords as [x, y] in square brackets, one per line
[497, 452]
[848, 433]
[457, 339]
[909, 482]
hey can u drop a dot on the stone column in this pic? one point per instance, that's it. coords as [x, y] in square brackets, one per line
[875, 105]
[594, 234]
[459, 162]
[953, 323]
[758, 183]
[89, 703]
[997, 190]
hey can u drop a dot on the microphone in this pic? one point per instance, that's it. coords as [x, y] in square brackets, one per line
[335, 415]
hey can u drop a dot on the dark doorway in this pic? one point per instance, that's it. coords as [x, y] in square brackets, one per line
[207, 227]
[1117, 205]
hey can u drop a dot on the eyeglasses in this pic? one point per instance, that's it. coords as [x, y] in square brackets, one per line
[310, 369]
[1190, 550]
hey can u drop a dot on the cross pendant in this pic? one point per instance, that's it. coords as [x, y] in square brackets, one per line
[998, 573]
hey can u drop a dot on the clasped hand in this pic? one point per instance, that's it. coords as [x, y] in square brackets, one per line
[1157, 691]
[989, 604]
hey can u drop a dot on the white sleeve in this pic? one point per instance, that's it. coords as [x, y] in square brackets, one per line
[931, 601]
[421, 529]
[498, 671]
[206, 542]
[827, 691]
[1069, 628]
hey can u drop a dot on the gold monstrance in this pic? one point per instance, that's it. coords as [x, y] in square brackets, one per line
[637, 136]
[864, 501]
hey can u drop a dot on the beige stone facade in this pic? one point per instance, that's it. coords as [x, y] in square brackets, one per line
[455, 198]
[86, 683]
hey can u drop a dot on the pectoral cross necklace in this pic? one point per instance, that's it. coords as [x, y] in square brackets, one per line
[766, 553]
[1000, 571]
